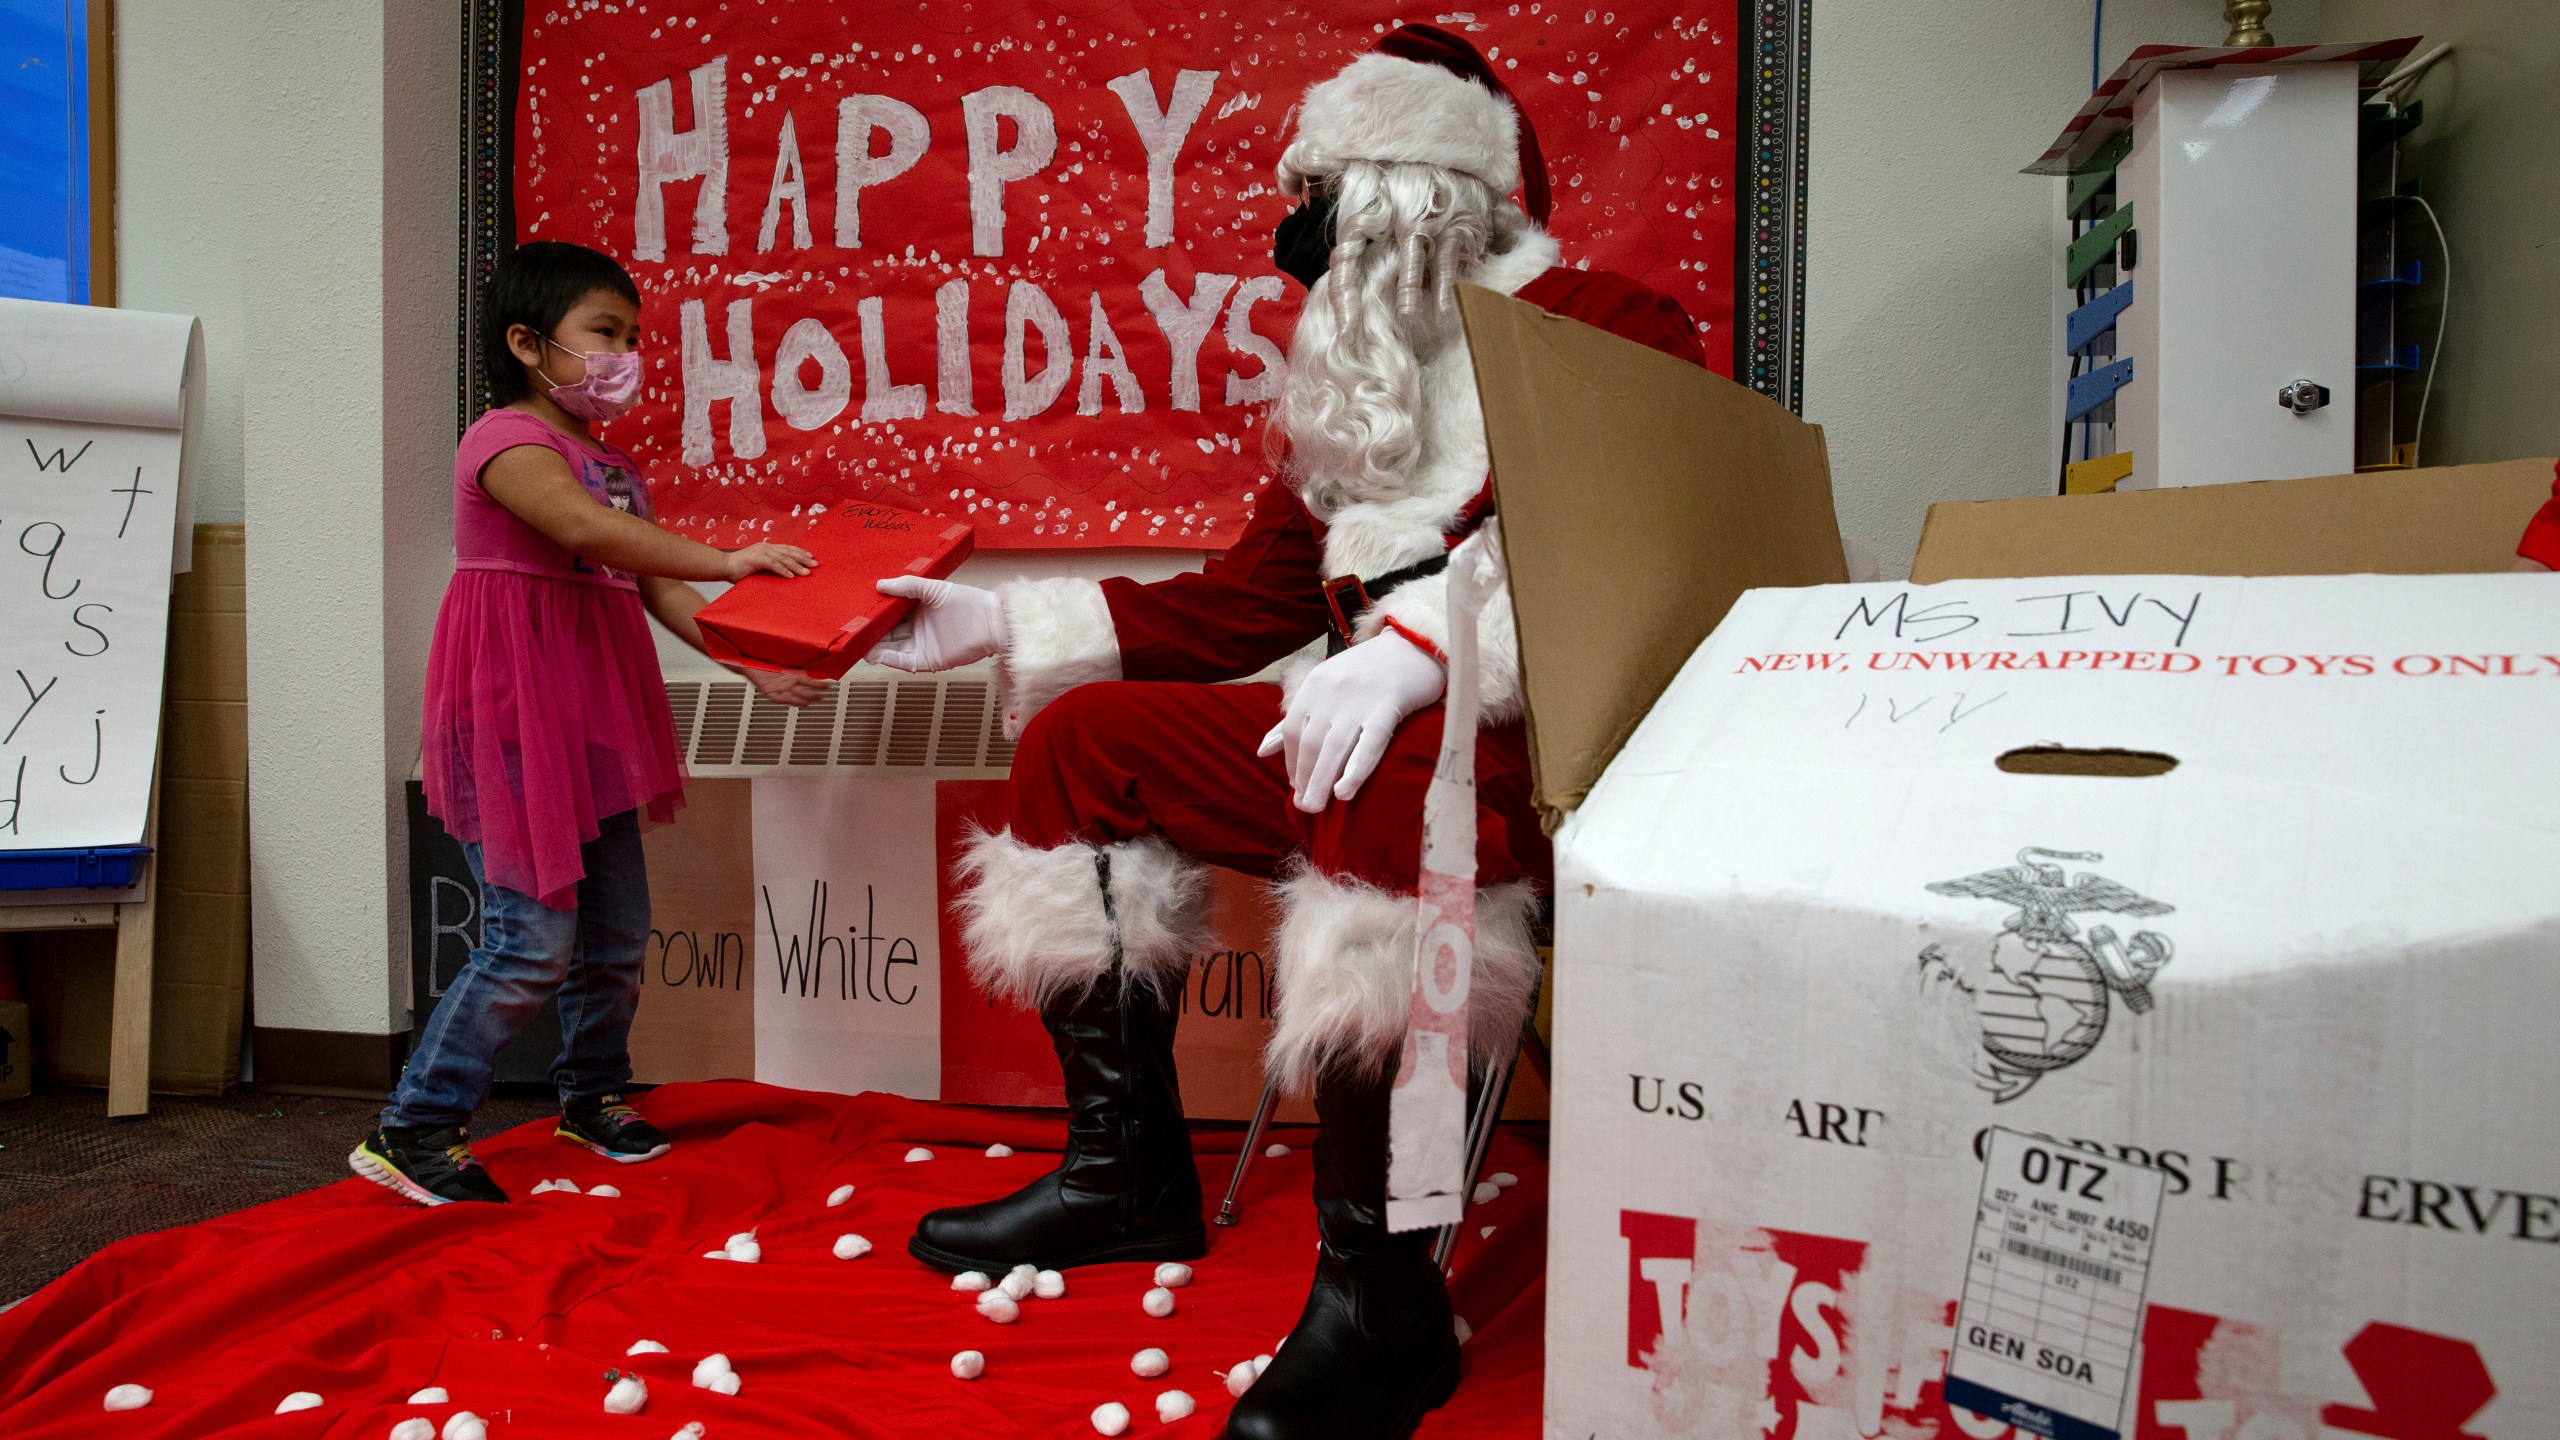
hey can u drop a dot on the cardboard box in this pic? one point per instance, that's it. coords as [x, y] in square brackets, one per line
[1639, 496]
[2195, 1085]
[2442, 521]
[822, 622]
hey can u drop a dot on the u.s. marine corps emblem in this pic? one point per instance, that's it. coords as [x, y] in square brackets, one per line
[2039, 999]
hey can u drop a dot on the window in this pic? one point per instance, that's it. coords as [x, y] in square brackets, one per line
[57, 190]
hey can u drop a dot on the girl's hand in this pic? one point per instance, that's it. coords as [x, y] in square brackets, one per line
[793, 689]
[786, 560]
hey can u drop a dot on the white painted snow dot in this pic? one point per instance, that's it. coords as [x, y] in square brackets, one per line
[629, 1396]
[1157, 1302]
[968, 1365]
[1149, 1363]
[839, 1195]
[1111, 1418]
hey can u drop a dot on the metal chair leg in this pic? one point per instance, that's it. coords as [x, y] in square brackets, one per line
[1252, 1147]
[1488, 1113]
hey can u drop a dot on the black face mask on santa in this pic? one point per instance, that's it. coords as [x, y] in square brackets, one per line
[1302, 246]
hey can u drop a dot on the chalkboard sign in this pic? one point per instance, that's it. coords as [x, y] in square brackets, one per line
[95, 406]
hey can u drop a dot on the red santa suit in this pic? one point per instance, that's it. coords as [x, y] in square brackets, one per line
[1127, 739]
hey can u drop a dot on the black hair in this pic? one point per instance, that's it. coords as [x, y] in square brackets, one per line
[536, 286]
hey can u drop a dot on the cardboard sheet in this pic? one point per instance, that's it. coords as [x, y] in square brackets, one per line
[1639, 496]
[2445, 520]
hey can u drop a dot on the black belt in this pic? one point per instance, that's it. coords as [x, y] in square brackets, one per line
[1369, 592]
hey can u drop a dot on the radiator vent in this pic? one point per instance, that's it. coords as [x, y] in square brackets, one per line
[945, 726]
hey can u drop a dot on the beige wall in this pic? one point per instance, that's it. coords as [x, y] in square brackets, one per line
[2489, 158]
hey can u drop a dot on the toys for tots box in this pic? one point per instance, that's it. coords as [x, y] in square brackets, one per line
[2094, 1007]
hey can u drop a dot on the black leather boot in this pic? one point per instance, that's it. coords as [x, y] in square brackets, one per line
[1127, 1188]
[1376, 1347]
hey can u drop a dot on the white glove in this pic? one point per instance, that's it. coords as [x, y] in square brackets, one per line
[952, 625]
[1339, 723]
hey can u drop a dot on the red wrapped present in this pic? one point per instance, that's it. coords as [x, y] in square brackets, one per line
[823, 621]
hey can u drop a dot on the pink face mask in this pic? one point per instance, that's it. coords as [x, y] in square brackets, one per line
[611, 387]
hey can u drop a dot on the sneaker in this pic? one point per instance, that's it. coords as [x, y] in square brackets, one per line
[609, 1126]
[429, 1166]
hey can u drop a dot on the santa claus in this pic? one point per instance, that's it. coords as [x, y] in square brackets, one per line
[1138, 765]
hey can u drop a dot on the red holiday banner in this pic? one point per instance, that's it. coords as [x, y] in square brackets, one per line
[1013, 265]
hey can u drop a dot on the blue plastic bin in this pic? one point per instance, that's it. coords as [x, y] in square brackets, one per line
[102, 867]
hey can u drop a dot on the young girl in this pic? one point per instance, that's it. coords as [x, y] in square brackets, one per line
[547, 731]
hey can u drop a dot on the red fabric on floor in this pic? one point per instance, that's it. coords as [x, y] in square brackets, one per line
[519, 1310]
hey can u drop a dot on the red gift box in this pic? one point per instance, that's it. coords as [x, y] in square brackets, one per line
[821, 622]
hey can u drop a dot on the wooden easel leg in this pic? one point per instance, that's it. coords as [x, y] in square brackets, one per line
[129, 1030]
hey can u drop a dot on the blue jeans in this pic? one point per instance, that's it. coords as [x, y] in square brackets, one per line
[590, 955]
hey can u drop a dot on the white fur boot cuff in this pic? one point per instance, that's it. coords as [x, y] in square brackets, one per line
[1346, 975]
[1035, 923]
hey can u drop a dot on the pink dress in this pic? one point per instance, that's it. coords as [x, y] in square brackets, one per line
[545, 709]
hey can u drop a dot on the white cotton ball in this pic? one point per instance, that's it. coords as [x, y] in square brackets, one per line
[569, 1185]
[998, 1152]
[1018, 1285]
[607, 1191]
[839, 1195]
[1486, 1190]
[414, 1428]
[1503, 1178]
[918, 1153]
[1275, 1151]
[1049, 1285]
[724, 1384]
[646, 1347]
[1158, 1302]
[715, 1254]
[968, 1365]
[463, 1425]
[971, 1280]
[1174, 1405]
[1025, 1268]
[708, 1369]
[128, 1397]
[1149, 1363]
[1173, 1275]
[1485, 1234]
[1260, 1364]
[743, 1237]
[999, 1307]
[1111, 1419]
[693, 1430]
[852, 1247]
[750, 1253]
[542, 1187]
[1466, 1332]
[629, 1396]
[1240, 1379]
[432, 1395]
[298, 1400]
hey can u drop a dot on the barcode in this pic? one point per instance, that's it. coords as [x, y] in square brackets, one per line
[2074, 1263]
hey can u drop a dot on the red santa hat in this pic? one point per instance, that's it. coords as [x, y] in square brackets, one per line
[1423, 96]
